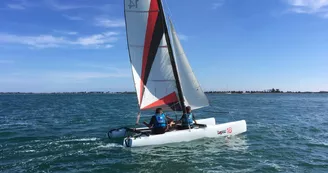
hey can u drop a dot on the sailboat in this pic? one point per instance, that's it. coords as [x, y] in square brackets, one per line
[163, 78]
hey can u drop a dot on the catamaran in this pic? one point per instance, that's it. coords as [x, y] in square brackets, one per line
[163, 78]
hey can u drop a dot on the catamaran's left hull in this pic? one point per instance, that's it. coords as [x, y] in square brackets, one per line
[211, 131]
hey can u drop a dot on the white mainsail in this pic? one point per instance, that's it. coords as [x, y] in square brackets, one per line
[151, 66]
[160, 79]
[192, 91]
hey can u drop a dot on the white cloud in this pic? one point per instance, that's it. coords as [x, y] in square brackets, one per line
[108, 46]
[108, 23]
[66, 32]
[16, 6]
[46, 41]
[183, 37]
[317, 7]
[98, 39]
[41, 41]
[21, 4]
[73, 5]
[72, 17]
[217, 4]
[314, 4]
[58, 6]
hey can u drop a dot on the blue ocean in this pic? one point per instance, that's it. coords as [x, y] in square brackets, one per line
[67, 133]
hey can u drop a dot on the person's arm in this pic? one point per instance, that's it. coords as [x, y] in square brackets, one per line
[168, 118]
[146, 124]
[180, 121]
[151, 123]
[193, 117]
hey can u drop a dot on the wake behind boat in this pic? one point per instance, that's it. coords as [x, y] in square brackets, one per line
[163, 78]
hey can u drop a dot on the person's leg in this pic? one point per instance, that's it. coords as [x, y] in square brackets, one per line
[157, 131]
[183, 127]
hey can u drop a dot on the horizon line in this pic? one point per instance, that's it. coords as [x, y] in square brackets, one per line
[209, 91]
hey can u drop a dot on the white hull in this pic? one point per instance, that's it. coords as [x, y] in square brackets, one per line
[211, 131]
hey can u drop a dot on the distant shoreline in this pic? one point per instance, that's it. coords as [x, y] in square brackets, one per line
[130, 92]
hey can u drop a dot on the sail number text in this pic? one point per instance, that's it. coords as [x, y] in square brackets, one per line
[133, 3]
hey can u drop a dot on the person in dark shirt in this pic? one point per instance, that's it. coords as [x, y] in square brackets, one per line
[159, 122]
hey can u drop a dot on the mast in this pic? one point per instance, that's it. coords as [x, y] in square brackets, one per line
[174, 66]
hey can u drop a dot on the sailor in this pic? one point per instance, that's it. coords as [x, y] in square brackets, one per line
[159, 122]
[187, 120]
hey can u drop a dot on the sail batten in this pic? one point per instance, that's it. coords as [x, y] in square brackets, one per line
[149, 11]
[142, 46]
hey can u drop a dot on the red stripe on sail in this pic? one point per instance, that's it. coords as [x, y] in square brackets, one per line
[152, 18]
[167, 100]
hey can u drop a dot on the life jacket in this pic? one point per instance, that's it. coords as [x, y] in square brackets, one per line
[187, 120]
[160, 121]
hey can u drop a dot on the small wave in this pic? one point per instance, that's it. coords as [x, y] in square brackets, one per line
[317, 143]
[15, 124]
[109, 145]
[28, 151]
[273, 165]
[79, 140]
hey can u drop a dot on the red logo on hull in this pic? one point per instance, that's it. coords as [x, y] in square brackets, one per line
[229, 130]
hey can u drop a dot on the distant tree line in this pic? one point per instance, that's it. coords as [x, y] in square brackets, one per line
[82, 92]
[273, 90]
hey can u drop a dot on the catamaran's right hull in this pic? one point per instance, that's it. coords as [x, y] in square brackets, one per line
[211, 131]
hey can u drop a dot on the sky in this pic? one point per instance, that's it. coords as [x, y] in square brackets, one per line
[60, 45]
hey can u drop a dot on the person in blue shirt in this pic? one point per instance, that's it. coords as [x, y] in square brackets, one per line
[187, 120]
[159, 122]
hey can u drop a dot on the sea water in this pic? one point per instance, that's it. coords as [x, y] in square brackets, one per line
[67, 133]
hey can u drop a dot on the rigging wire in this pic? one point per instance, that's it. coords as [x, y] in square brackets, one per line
[170, 14]
[168, 8]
